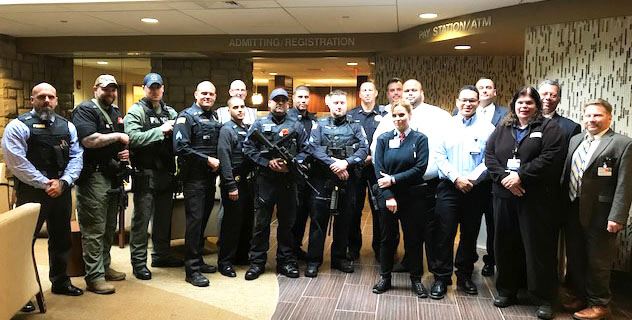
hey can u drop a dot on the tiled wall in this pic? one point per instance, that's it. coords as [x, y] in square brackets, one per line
[591, 59]
[442, 77]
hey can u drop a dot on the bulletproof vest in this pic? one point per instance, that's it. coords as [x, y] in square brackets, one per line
[275, 132]
[237, 153]
[105, 125]
[204, 132]
[307, 121]
[158, 155]
[48, 144]
[339, 139]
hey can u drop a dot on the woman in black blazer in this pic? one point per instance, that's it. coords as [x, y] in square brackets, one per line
[401, 158]
[523, 157]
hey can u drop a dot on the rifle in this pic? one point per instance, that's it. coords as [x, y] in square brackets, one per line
[284, 154]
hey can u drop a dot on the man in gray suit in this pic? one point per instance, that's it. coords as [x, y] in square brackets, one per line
[598, 182]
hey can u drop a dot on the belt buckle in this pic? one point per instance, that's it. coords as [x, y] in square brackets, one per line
[237, 178]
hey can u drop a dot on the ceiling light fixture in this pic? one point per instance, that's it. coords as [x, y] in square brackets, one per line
[463, 47]
[273, 73]
[352, 64]
[149, 20]
[102, 62]
[428, 15]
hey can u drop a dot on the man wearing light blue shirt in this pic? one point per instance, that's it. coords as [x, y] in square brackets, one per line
[459, 159]
[41, 150]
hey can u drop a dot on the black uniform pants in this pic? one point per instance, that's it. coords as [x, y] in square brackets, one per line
[412, 222]
[236, 226]
[591, 251]
[366, 180]
[453, 209]
[429, 195]
[320, 216]
[303, 207]
[488, 210]
[56, 213]
[199, 197]
[525, 246]
[272, 190]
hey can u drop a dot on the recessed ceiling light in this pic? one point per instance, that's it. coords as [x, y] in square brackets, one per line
[352, 63]
[307, 84]
[428, 15]
[273, 73]
[149, 20]
[102, 62]
[462, 47]
[483, 42]
[133, 53]
[257, 58]
[346, 17]
[63, 21]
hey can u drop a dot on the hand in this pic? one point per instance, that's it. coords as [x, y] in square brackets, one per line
[123, 155]
[55, 188]
[511, 180]
[339, 165]
[391, 205]
[614, 227]
[166, 127]
[233, 195]
[123, 138]
[464, 185]
[517, 190]
[368, 159]
[278, 165]
[343, 175]
[385, 181]
[213, 163]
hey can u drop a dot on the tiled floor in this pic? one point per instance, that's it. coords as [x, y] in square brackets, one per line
[336, 295]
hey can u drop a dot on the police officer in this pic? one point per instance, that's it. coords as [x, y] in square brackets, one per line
[42, 151]
[196, 133]
[100, 130]
[149, 124]
[236, 191]
[339, 148]
[300, 99]
[368, 114]
[275, 185]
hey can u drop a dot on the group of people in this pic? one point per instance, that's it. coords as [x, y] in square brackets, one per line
[529, 171]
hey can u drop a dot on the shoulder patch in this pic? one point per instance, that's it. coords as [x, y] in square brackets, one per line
[181, 120]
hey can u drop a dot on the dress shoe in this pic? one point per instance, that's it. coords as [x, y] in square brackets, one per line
[345, 266]
[488, 270]
[207, 268]
[142, 273]
[167, 262]
[545, 311]
[100, 287]
[67, 290]
[197, 279]
[438, 290]
[254, 272]
[227, 271]
[420, 290]
[503, 302]
[574, 305]
[28, 307]
[467, 286]
[312, 270]
[289, 270]
[594, 312]
[113, 275]
[399, 267]
[382, 285]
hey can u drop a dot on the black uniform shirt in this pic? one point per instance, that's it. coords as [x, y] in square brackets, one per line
[368, 120]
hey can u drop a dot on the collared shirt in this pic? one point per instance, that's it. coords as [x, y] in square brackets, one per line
[430, 120]
[396, 132]
[14, 146]
[462, 152]
[593, 145]
[487, 113]
[369, 120]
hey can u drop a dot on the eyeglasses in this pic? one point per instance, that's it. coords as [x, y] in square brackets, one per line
[468, 100]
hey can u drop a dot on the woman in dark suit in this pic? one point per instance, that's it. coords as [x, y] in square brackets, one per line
[523, 156]
[401, 158]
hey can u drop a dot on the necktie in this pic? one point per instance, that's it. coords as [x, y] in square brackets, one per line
[578, 166]
[402, 136]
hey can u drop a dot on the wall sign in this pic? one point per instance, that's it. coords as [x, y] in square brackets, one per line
[455, 29]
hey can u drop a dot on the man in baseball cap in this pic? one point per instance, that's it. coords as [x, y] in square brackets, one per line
[105, 80]
[151, 79]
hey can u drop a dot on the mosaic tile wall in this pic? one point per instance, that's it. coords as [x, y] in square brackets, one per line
[591, 59]
[442, 77]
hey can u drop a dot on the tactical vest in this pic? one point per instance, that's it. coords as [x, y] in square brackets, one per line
[158, 155]
[237, 153]
[204, 133]
[275, 132]
[105, 125]
[48, 144]
[340, 140]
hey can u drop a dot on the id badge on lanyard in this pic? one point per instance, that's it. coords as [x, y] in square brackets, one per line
[513, 164]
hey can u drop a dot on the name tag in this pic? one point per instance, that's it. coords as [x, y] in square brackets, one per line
[394, 143]
[242, 133]
[604, 171]
[535, 135]
[513, 164]
[39, 125]
[206, 137]
[267, 127]
[181, 120]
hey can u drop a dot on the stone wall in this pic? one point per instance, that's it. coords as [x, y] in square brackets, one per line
[181, 77]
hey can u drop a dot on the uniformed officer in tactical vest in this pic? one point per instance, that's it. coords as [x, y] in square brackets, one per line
[41, 150]
[300, 100]
[275, 185]
[100, 130]
[195, 137]
[236, 189]
[149, 124]
[339, 148]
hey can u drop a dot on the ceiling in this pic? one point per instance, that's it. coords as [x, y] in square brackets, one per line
[31, 18]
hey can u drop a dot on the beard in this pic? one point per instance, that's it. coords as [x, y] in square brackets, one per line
[45, 114]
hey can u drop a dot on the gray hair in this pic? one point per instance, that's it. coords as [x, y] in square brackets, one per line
[552, 83]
